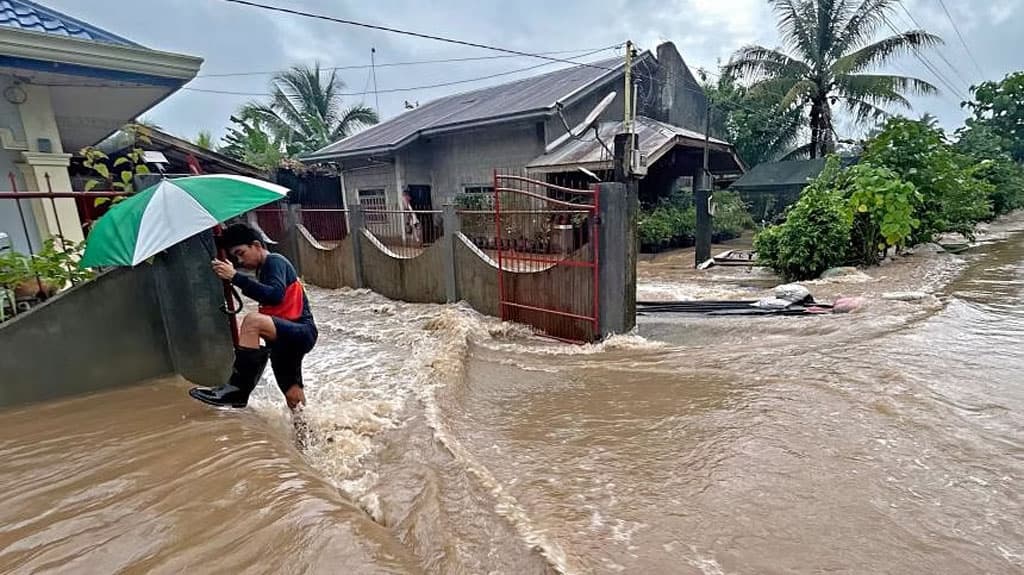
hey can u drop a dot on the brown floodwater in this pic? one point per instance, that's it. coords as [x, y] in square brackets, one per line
[886, 441]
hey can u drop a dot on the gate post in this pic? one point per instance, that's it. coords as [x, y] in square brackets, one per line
[355, 231]
[617, 217]
[452, 226]
[293, 217]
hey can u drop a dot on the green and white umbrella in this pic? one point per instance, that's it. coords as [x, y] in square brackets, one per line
[160, 216]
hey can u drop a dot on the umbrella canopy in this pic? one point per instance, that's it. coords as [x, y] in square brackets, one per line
[160, 216]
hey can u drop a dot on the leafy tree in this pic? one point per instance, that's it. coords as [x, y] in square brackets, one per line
[120, 174]
[982, 148]
[249, 140]
[952, 196]
[306, 110]
[753, 121]
[830, 52]
[999, 106]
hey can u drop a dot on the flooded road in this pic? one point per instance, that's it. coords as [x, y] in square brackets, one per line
[886, 441]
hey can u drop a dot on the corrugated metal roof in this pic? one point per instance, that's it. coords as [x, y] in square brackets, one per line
[26, 15]
[654, 138]
[788, 173]
[522, 97]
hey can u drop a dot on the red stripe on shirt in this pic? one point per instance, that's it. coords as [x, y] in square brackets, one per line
[290, 307]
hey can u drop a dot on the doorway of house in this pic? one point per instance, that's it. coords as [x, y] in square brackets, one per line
[420, 200]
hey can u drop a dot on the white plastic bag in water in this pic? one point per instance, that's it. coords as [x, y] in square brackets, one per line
[793, 293]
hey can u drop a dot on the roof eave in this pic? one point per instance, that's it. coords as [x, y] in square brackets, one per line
[50, 48]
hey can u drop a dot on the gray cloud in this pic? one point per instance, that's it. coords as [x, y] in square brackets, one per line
[233, 38]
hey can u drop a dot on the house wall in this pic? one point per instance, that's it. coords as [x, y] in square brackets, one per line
[12, 134]
[378, 176]
[470, 157]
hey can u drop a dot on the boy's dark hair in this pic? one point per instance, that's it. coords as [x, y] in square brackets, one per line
[238, 235]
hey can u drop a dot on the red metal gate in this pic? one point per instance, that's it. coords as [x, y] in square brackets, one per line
[547, 253]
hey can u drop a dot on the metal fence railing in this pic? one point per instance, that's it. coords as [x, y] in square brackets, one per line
[328, 225]
[404, 232]
[40, 233]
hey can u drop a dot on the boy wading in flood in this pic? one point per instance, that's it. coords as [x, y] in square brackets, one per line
[284, 321]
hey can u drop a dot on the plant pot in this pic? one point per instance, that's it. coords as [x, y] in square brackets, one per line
[33, 288]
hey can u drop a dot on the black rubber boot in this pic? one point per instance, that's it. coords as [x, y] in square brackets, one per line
[249, 366]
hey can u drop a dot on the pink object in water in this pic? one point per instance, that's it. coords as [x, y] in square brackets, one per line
[847, 304]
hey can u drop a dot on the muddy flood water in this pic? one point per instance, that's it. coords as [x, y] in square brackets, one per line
[886, 441]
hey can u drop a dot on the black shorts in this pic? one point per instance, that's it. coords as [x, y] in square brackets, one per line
[294, 341]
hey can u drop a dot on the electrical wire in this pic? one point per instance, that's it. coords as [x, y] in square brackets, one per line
[397, 64]
[961, 36]
[404, 89]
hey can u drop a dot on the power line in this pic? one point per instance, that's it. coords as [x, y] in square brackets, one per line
[961, 36]
[405, 32]
[396, 64]
[927, 63]
[938, 51]
[405, 89]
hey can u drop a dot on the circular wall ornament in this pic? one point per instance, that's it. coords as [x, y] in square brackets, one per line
[15, 94]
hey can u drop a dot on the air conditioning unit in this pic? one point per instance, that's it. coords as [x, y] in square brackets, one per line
[638, 164]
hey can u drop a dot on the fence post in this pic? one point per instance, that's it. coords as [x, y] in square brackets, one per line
[617, 219]
[292, 219]
[355, 218]
[452, 226]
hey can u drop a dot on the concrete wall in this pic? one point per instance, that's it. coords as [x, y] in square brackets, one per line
[326, 267]
[469, 158]
[126, 326]
[419, 279]
[377, 176]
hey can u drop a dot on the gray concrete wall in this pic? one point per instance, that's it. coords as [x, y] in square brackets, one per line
[124, 327]
[419, 279]
[326, 267]
[102, 334]
[617, 269]
[469, 158]
[378, 176]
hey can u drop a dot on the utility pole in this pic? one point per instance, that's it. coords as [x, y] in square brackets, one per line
[702, 198]
[626, 140]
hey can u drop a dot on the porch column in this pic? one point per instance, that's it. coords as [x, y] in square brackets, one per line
[45, 155]
[35, 167]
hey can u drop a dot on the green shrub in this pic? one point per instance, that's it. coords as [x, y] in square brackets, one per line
[881, 206]
[731, 216]
[816, 233]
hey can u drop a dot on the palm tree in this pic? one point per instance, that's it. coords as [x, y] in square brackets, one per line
[204, 139]
[833, 51]
[306, 109]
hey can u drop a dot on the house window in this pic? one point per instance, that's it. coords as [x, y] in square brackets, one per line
[478, 189]
[373, 201]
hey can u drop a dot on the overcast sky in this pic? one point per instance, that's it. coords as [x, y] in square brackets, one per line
[233, 38]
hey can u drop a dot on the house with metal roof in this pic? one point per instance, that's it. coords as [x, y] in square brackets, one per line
[66, 84]
[452, 145]
[769, 188]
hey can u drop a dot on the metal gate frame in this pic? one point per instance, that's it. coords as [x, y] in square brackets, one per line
[563, 311]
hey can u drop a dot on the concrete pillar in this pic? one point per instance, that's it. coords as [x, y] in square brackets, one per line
[293, 217]
[617, 242]
[45, 155]
[452, 226]
[190, 298]
[355, 218]
[702, 200]
[35, 167]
